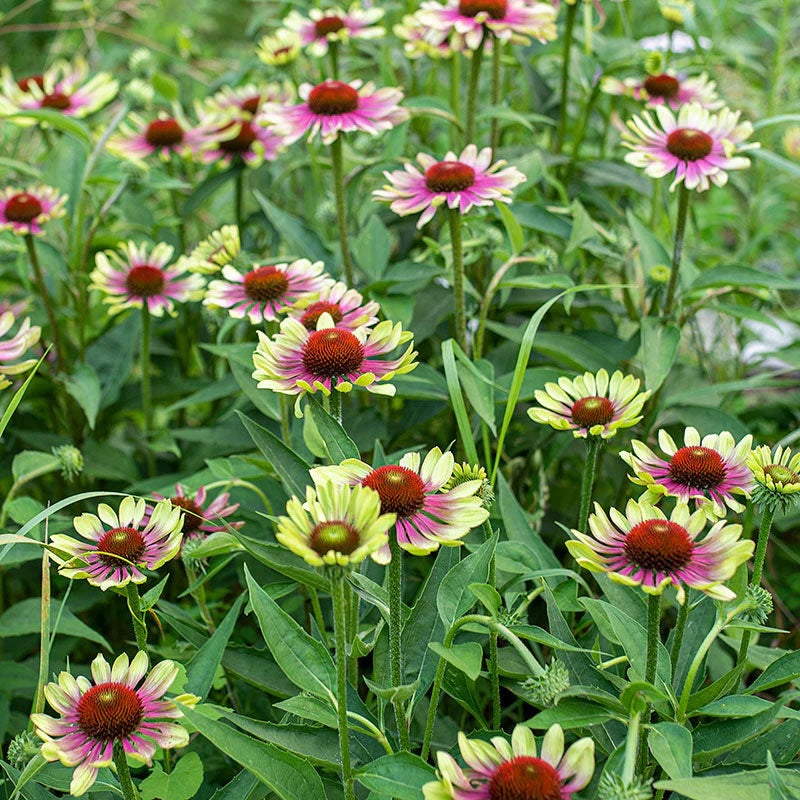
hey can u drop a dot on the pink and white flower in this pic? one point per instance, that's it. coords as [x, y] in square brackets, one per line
[247, 99]
[346, 307]
[25, 211]
[200, 519]
[167, 135]
[699, 146]
[322, 27]
[459, 182]
[332, 107]
[242, 138]
[268, 291]
[134, 275]
[667, 88]
[13, 346]
[427, 517]
[499, 771]
[470, 20]
[119, 704]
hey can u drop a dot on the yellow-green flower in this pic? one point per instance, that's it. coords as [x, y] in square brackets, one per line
[216, 251]
[777, 477]
[337, 525]
[280, 49]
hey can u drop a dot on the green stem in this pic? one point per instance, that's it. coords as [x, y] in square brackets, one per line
[577, 140]
[764, 529]
[395, 629]
[44, 641]
[147, 399]
[353, 606]
[137, 616]
[341, 208]
[199, 596]
[454, 217]
[587, 484]
[677, 637]
[653, 640]
[494, 674]
[239, 198]
[340, 634]
[334, 54]
[336, 406]
[316, 607]
[286, 410]
[472, 91]
[565, 60]
[455, 94]
[123, 773]
[680, 231]
[48, 303]
[497, 71]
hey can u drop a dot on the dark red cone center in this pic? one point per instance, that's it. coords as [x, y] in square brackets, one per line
[332, 352]
[327, 25]
[242, 141]
[121, 543]
[662, 85]
[449, 176]
[251, 104]
[401, 490]
[22, 207]
[659, 545]
[525, 778]
[689, 144]
[192, 513]
[589, 411]
[265, 283]
[338, 536]
[145, 281]
[24, 84]
[333, 97]
[496, 9]
[109, 711]
[312, 314]
[698, 467]
[57, 100]
[164, 132]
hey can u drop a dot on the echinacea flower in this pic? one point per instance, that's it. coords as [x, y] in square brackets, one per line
[499, 771]
[346, 307]
[296, 360]
[332, 107]
[458, 182]
[427, 517]
[416, 37]
[243, 139]
[507, 20]
[322, 27]
[267, 291]
[776, 476]
[63, 88]
[134, 274]
[667, 88]
[709, 471]
[119, 705]
[699, 146]
[643, 548]
[116, 547]
[13, 346]
[25, 211]
[246, 100]
[217, 250]
[166, 135]
[279, 48]
[337, 525]
[590, 405]
[200, 519]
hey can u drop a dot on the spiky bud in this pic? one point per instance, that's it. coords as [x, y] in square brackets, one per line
[140, 62]
[761, 605]
[22, 748]
[139, 93]
[462, 473]
[542, 690]
[70, 461]
[614, 787]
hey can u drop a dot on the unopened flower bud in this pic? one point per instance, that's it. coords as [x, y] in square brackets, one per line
[70, 461]
[614, 787]
[543, 689]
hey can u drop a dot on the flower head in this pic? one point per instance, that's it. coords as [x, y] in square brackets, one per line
[266, 291]
[165, 135]
[200, 519]
[465, 472]
[217, 250]
[133, 275]
[279, 49]
[426, 516]
[459, 182]
[699, 146]
[666, 88]
[120, 705]
[296, 360]
[420, 40]
[644, 548]
[245, 101]
[508, 20]
[590, 405]
[323, 27]
[499, 771]
[64, 88]
[25, 211]
[243, 138]
[337, 524]
[332, 107]
[709, 471]
[117, 546]
[346, 308]
[13, 346]
[776, 476]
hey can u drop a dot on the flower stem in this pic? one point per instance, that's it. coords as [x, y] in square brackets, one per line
[334, 54]
[395, 629]
[497, 72]
[48, 303]
[653, 640]
[286, 408]
[472, 92]
[587, 485]
[455, 94]
[494, 675]
[353, 606]
[336, 406]
[454, 217]
[572, 10]
[767, 515]
[677, 637]
[137, 616]
[238, 185]
[44, 641]
[123, 772]
[680, 231]
[341, 209]
[340, 634]
[147, 398]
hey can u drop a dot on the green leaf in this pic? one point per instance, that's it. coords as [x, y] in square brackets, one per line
[301, 240]
[466, 657]
[671, 746]
[181, 784]
[742, 276]
[372, 248]
[338, 444]
[571, 713]
[55, 119]
[785, 670]
[392, 694]
[166, 86]
[753, 785]
[291, 469]
[26, 617]
[277, 557]
[779, 162]
[30, 464]
[778, 788]
[722, 735]
[478, 381]
[84, 385]
[660, 343]
[488, 596]
[152, 596]
[400, 775]
[457, 401]
[652, 252]
[305, 661]
[287, 775]
[514, 230]
[454, 598]
[18, 395]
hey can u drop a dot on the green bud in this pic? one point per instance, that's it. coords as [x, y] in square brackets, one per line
[70, 461]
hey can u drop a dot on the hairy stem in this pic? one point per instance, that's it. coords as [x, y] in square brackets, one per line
[472, 92]
[587, 484]
[123, 773]
[565, 63]
[677, 638]
[653, 640]
[137, 616]
[147, 398]
[340, 634]
[341, 208]
[764, 529]
[46, 299]
[454, 217]
[680, 232]
[395, 629]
